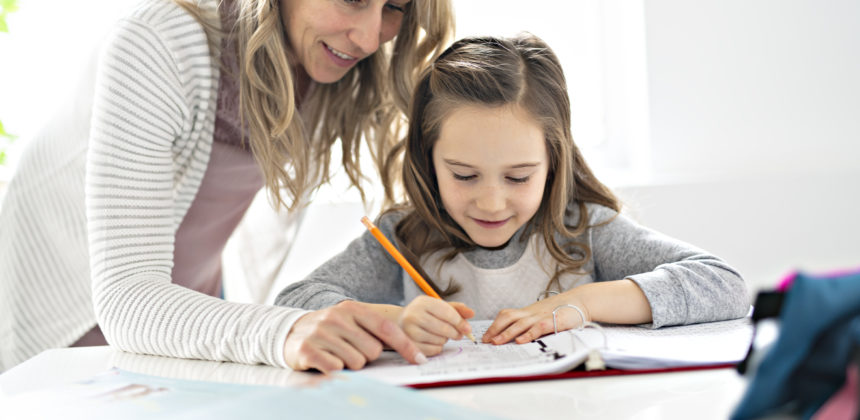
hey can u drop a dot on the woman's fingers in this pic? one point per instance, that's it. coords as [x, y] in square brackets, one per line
[390, 334]
[346, 335]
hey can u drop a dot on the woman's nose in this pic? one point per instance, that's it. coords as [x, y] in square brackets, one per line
[367, 30]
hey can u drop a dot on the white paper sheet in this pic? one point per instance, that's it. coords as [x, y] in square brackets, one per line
[463, 360]
[626, 347]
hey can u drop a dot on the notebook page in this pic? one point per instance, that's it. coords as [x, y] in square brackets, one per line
[463, 360]
[635, 347]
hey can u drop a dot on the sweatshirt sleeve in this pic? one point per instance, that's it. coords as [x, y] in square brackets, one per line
[153, 91]
[683, 284]
[364, 271]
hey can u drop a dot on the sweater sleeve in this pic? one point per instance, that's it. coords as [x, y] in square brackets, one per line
[153, 101]
[683, 284]
[364, 271]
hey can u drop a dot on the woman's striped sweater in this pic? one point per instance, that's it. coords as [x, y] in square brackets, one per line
[89, 219]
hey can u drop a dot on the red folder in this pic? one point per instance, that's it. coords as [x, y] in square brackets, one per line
[576, 373]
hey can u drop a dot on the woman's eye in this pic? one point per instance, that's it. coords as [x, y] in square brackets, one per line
[522, 180]
[463, 177]
[395, 7]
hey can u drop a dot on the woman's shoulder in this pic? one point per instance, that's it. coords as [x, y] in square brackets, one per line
[161, 11]
[172, 22]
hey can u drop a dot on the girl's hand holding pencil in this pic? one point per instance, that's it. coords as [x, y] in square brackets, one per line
[431, 322]
[428, 320]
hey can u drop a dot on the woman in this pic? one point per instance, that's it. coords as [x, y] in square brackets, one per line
[119, 210]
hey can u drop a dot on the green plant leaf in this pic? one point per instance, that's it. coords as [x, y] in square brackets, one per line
[2, 157]
[3, 133]
[8, 6]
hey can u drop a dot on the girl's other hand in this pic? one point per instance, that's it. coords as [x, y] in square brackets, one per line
[349, 334]
[431, 322]
[534, 321]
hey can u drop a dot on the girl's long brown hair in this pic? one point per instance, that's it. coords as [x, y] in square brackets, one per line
[492, 72]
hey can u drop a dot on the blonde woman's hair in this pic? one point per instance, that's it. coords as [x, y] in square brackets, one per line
[521, 71]
[294, 148]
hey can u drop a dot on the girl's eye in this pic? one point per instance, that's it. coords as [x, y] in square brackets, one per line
[463, 177]
[522, 180]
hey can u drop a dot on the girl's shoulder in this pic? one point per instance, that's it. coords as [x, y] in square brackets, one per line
[597, 214]
[388, 220]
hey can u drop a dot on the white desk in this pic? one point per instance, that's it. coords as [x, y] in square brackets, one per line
[705, 394]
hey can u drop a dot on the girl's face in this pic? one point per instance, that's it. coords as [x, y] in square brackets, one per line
[491, 166]
[328, 37]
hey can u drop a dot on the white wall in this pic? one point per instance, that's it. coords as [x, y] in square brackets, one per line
[745, 87]
[754, 154]
[755, 132]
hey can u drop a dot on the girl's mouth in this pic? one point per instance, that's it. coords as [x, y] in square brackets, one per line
[489, 224]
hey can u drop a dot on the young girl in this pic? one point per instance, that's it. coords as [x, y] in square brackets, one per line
[505, 216]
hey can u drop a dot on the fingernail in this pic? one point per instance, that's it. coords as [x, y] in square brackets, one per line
[420, 358]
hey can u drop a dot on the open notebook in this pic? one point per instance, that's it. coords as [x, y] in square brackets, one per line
[622, 347]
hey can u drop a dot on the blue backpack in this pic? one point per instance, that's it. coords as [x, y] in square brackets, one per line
[819, 338]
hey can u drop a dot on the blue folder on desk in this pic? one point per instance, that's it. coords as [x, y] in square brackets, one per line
[120, 394]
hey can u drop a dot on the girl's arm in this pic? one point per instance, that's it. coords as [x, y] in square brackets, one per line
[640, 276]
[363, 271]
[682, 283]
[614, 302]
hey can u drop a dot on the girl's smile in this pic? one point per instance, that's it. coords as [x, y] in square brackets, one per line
[491, 224]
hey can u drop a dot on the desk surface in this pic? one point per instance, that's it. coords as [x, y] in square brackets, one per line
[705, 394]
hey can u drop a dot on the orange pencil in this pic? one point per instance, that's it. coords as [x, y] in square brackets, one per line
[403, 262]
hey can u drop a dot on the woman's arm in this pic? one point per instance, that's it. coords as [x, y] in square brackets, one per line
[154, 108]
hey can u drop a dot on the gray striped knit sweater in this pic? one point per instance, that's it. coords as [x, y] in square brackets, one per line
[88, 222]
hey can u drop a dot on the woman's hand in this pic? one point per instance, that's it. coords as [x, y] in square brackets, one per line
[349, 334]
[431, 322]
[534, 321]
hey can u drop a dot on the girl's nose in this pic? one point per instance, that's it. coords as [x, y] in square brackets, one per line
[491, 199]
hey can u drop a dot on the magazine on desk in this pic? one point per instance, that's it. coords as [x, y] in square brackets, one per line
[621, 347]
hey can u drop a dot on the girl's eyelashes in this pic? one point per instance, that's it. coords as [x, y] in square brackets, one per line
[512, 179]
[459, 177]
